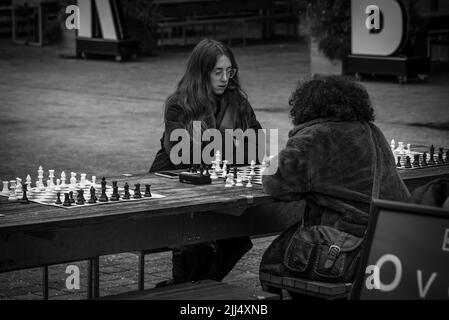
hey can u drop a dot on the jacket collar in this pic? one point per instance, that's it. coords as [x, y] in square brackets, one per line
[301, 126]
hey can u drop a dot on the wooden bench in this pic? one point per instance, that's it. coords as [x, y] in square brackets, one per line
[317, 289]
[201, 290]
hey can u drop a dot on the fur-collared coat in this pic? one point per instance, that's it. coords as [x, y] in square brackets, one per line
[330, 164]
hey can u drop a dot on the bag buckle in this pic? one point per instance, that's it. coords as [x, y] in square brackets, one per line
[332, 255]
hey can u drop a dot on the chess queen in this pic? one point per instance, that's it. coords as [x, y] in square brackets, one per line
[209, 92]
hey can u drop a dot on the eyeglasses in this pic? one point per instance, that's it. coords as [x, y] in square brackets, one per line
[230, 73]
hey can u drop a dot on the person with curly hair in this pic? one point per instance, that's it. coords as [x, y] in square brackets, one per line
[333, 156]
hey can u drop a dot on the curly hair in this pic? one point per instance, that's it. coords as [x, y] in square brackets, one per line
[330, 97]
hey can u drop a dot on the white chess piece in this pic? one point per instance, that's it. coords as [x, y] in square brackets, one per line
[5, 191]
[94, 184]
[239, 180]
[229, 181]
[249, 184]
[51, 176]
[19, 190]
[40, 176]
[58, 185]
[49, 186]
[218, 162]
[73, 179]
[83, 180]
[12, 190]
[400, 149]
[409, 150]
[214, 175]
[63, 185]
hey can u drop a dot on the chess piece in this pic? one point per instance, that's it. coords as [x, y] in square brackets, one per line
[229, 181]
[80, 197]
[5, 190]
[24, 199]
[58, 199]
[12, 190]
[446, 160]
[58, 185]
[103, 196]
[127, 195]
[19, 187]
[400, 149]
[63, 179]
[218, 162]
[398, 164]
[67, 202]
[409, 149]
[440, 157]
[148, 186]
[432, 159]
[83, 180]
[214, 175]
[93, 197]
[73, 179]
[71, 197]
[115, 195]
[416, 161]
[407, 162]
[249, 184]
[28, 182]
[40, 176]
[239, 182]
[94, 182]
[51, 176]
[137, 194]
[424, 160]
[206, 171]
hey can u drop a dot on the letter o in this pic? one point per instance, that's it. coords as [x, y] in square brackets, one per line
[398, 266]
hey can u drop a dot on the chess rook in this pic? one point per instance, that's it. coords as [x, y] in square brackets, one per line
[137, 193]
[148, 191]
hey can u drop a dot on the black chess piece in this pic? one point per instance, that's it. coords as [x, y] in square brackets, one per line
[424, 160]
[432, 160]
[447, 156]
[137, 194]
[93, 197]
[67, 202]
[71, 197]
[440, 157]
[80, 197]
[127, 195]
[103, 196]
[407, 162]
[58, 199]
[416, 161]
[201, 169]
[24, 199]
[398, 164]
[115, 195]
[148, 191]
[207, 174]
[235, 172]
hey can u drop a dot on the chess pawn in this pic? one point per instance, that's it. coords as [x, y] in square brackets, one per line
[93, 198]
[94, 181]
[83, 180]
[127, 195]
[225, 165]
[214, 175]
[51, 176]
[239, 180]
[24, 199]
[63, 177]
[58, 185]
[115, 195]
[58, 198]
[249, 184]
[229, 181]
[12, 190]
[49, 187]
[71, 197]
[5, 190]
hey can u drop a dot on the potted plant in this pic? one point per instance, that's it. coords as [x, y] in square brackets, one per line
[327, 24]
[141, 21]
[67, 37]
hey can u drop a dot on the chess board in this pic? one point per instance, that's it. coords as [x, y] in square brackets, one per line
[49, 197]
[245, 170]
[416, 160]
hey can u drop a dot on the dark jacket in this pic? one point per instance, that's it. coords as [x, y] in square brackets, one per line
[330, 164]
[226, 116]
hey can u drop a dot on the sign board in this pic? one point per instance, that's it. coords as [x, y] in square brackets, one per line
[406, 253]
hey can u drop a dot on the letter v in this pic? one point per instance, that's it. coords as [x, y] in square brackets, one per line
[423, 292]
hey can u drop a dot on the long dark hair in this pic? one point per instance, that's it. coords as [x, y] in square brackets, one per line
[194, 92]
[330, 97]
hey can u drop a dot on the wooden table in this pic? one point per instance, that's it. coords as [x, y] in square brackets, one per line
[33, 235]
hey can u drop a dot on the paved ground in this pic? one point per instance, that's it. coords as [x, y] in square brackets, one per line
[105, 118]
